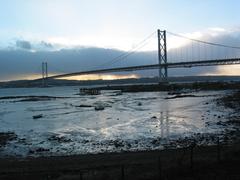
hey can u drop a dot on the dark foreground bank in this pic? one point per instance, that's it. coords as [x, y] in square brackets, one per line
[194, 162]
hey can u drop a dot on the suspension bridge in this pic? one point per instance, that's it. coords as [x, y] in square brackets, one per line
[199, 53]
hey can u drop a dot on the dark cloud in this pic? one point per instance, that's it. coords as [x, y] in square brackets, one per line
[17, 61]
[23, 44]
[66, 60]
[73, 60]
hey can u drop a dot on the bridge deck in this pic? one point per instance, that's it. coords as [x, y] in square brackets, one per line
[187, 64]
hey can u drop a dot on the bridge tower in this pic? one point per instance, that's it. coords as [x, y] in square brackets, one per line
[162, 55]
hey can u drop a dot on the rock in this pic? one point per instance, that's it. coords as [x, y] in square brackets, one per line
[155, 142]
[129, 145]
[31, 152]
[139, 104]
[180, 96]
[6, 136]
[85, 141]
[37, 116]
[41, 149]
[99, 107]
[84, 105]
[118, 143]
[38, 150]
[59, 139]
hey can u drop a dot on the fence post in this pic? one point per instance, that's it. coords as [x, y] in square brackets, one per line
[159, 169]
[191, 157]
[81, 177]
[122, 172]
[218, 150]
[191, 153]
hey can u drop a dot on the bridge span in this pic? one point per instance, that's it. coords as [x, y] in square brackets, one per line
[187, 64]
[163, 64]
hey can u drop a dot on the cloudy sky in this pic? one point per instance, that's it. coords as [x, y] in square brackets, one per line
[76, 35]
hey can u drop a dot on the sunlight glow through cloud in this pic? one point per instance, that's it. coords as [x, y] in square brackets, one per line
[102, 77]
[78, 78]
[227, 70]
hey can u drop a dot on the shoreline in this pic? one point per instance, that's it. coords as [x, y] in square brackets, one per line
[196, 86]
[185, 80]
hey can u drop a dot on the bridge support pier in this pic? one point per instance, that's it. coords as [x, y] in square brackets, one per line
[162, 56]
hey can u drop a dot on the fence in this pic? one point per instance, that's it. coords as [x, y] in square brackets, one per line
[220, 161]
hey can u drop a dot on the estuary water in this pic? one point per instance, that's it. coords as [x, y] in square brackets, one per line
[68, 123]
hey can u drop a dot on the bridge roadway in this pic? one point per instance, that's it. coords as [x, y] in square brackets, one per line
[187, 64]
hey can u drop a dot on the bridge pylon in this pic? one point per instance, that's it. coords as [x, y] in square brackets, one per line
[162, 56]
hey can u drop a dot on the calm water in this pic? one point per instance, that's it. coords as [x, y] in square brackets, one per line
[131, 121]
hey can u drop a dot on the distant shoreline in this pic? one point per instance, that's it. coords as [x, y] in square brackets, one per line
[121, 82]
[195, 86]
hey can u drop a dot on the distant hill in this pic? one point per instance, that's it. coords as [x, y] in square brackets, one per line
[58, 82]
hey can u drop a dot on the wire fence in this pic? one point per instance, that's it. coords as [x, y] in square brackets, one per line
[220, 161]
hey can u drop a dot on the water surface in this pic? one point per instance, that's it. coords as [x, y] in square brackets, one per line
[131, 121]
